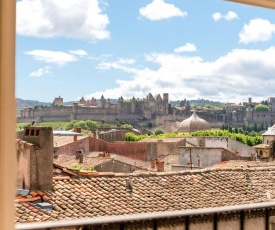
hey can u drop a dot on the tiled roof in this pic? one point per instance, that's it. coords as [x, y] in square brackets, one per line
[93, 159]
[63, 140]
[151, 192]
[89, 159]
[243, 164]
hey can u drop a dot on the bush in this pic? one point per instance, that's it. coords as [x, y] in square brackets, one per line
[159, 132]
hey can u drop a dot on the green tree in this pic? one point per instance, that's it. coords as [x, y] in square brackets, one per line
[261, 108]
[92, 125]
[159, 132]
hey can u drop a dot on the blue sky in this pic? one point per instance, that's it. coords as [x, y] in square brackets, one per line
[209, 49]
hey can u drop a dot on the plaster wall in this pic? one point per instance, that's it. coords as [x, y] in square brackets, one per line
[268, 139]
[71, 148]
[116, 166]
[200, 226]
[25, 164]
[223, 142]
[129, 149]
[209, 157]
[255, 223]
[229, 225]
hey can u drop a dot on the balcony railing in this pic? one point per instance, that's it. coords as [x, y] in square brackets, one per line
[184, 218]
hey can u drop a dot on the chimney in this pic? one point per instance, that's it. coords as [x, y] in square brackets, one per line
[75, 137]
[77, 130]
[35, 159]
[153, 164]
[81, 158]
[94, 135]
[160, 166]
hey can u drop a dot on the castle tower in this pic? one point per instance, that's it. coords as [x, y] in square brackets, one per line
[58, 101]
[166, 105]
[119, 103]
[102, 102]
[108, 103]
[235, 115]
[133, 105]
[249, 114]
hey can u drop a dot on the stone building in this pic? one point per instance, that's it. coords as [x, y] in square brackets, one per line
[150, 109]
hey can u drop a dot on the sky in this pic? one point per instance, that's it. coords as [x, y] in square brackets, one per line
[211, 49]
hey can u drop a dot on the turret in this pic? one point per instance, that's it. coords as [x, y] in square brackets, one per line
[133, 105]
[102, 102]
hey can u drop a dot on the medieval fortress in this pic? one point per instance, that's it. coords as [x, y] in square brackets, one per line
[149, 110]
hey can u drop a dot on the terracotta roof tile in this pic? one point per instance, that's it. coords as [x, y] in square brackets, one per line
[152, 192]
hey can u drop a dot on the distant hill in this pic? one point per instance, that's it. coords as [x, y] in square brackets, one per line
[199, 102]
[21, 103]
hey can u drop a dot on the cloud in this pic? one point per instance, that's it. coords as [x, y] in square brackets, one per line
[42, 71]
[230, 78]
[57, 57]
[188, 47]
[82, 19]
[121, 63]
[258, 30]
[79, 52]
[217, 16]
[158, 10]
[228, 17]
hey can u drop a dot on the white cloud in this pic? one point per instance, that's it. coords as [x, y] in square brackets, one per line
[258, 30]
[228, 17]
[57, 57]
[231, 77]
[121, 63]
[217, 16]
[67, 18]
[79, 52]
[158, 9]
[188, 47]
[40, 72]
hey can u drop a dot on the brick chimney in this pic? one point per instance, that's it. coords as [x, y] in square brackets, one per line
[75, 137]
[153, 163]
[160, 166]
[35, 159]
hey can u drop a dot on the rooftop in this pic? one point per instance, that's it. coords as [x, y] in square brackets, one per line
[240, 164]
[63, 140]
[118, 194]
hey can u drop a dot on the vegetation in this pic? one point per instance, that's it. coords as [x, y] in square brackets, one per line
[245, 139]
[55, 125]
[85, 125]
[251, 139]
[158, 132]
[80, 167]
[261, 108]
